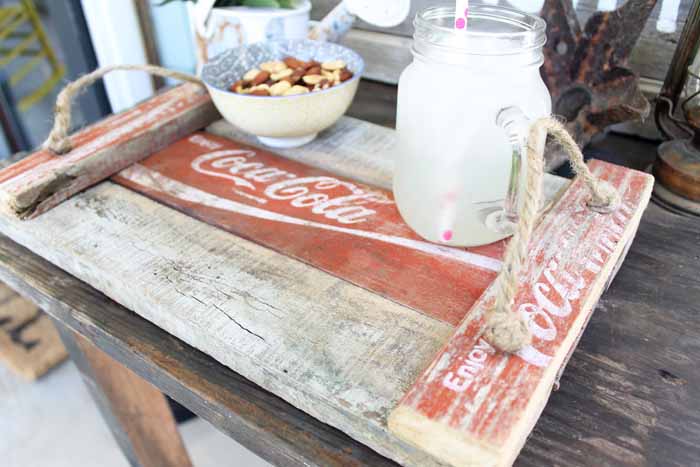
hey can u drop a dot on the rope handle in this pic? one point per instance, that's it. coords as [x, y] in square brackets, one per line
[58, 141]
[506, 330]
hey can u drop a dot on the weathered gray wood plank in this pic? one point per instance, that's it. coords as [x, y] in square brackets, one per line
[329, 348]
[262, 422]
[334, 350]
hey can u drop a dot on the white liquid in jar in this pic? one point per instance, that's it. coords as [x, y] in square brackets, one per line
[453, 161]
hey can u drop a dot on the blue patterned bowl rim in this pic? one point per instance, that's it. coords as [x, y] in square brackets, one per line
[229, 66]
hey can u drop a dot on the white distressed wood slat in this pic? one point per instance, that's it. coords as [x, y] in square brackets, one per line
[248, 307]
[43, 179]
[330, 348]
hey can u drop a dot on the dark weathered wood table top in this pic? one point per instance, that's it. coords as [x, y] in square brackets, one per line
[629, 396]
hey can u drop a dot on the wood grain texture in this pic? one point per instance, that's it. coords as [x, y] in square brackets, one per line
[358, 150]
[355, 148]
[137, 413]
[42, 180]
[350, 230]
[385, 55]
[330, 348]
[476, 406]
[629, 395]
[247, 306]
[264, 423]
[650, 58]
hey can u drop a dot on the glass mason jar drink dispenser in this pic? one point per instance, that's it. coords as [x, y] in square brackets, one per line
[464, 108]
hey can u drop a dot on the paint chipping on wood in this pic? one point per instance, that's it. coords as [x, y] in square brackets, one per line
[42, 180]
[337, 351]
[345, 228]
[476, 405]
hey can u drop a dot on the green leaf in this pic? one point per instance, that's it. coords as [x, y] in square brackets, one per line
[262, 3]
[287, 3]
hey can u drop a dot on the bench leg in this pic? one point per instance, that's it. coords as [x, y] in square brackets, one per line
[137, 413]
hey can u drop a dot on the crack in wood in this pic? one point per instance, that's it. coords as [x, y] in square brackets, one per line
[230, 294]
[231, 318]
[237, 323]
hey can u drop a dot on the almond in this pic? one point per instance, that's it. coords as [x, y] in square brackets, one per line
[280, 88]
[295, 77]
[312, 64]
[294, 90]
[250, 75]
[281, 74]
[236, 86]
[345, 75]
[313, 79]
[261, 77]
[293, 62]
[336, 76]
[291, 76]
[333, 65]
[273, 67]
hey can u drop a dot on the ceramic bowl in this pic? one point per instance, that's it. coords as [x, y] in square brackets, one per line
[281, 121]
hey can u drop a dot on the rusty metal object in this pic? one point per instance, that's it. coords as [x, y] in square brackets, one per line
[585, 72]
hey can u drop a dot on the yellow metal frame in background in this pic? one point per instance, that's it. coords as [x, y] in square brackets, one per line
[11, 19]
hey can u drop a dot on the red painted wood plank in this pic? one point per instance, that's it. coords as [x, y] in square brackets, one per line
[347, 229]
[42, 180]
[476, 406]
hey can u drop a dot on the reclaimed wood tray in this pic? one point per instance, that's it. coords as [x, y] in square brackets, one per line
[295, 270]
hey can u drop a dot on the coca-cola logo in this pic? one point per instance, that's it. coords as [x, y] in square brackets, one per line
[341, 201]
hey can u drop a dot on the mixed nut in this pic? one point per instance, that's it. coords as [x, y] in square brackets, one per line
[291, 76]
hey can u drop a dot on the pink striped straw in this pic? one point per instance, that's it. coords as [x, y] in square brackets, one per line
[461, 13]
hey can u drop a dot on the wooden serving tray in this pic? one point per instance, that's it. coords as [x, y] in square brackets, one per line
[345, 313]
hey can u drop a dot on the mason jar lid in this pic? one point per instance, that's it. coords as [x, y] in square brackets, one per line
[491, 31]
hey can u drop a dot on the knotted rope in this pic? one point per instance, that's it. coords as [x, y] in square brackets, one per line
[506, 330]
[58, 141]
